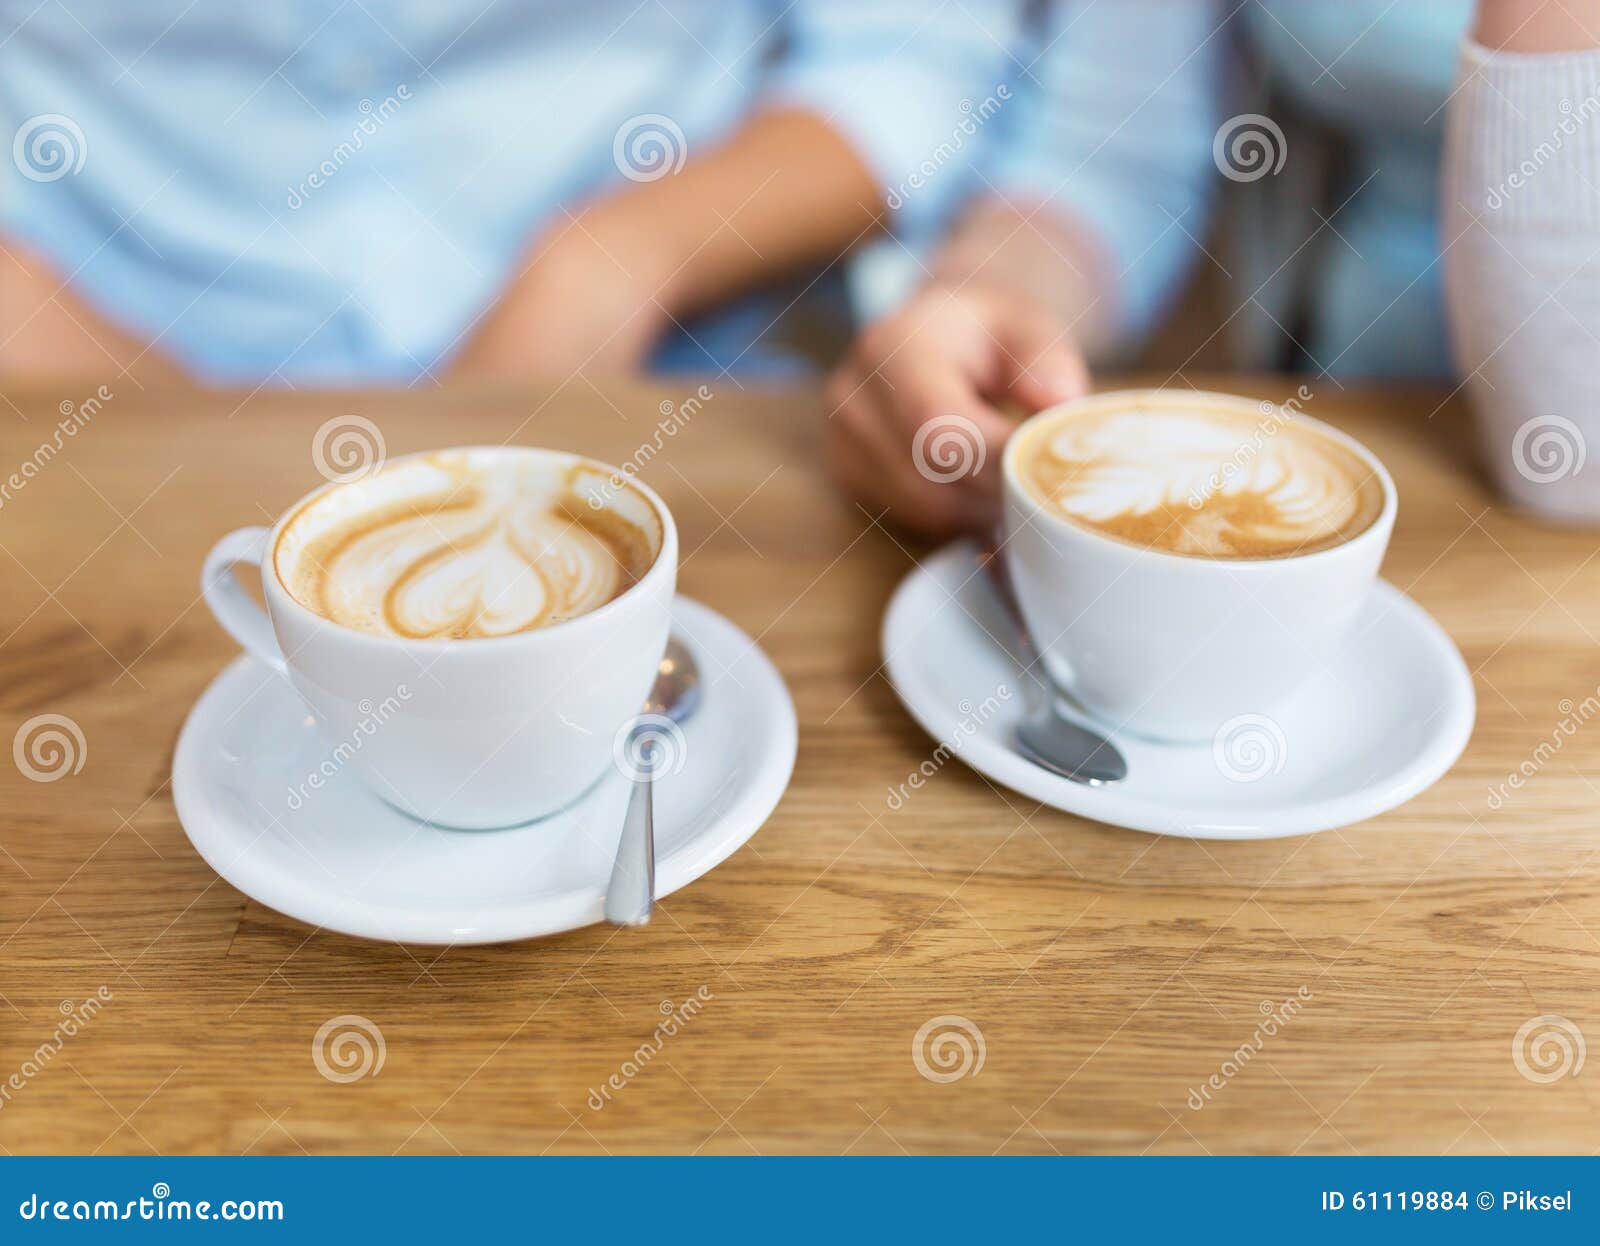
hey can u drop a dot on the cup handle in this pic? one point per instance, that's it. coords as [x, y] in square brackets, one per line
[235, 609]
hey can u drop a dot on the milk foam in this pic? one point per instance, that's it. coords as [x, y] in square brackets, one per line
[468, 544]
[1201, 478]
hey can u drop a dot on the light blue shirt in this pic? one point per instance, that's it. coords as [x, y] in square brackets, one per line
[1116, 124]
[318, 191]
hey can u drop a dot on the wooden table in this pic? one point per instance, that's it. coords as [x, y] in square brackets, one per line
[1110, 973]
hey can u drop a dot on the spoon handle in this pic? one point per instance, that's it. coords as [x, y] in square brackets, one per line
[631, 892]
[994, 563]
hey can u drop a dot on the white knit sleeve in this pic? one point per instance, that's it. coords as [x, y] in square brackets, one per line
[1521, 238]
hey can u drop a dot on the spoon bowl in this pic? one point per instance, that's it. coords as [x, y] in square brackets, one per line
[1047, 737]
[676, 691]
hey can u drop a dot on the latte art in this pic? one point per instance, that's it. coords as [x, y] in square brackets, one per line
[1200, 477]
[466, 545]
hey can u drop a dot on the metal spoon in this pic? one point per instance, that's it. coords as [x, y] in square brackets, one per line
[675, 695]
[1046, 737]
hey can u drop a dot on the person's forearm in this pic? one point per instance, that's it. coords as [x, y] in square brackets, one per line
[1538, 25]
[1037, 255]
[784, 192]
[1521, 254]
[600, 284]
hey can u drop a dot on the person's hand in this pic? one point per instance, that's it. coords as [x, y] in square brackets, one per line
[588, 297]
[51, 336]
[913, 419]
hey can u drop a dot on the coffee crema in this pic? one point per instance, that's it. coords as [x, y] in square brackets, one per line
[1199, 475]
[468, 544]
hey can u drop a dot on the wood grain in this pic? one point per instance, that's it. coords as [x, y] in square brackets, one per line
[1109, 972]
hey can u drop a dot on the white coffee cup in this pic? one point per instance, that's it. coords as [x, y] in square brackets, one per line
[1173, 646]
[475, 733]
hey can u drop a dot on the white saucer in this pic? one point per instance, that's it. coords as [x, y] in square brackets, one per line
[1390, 715]
[346, 861]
